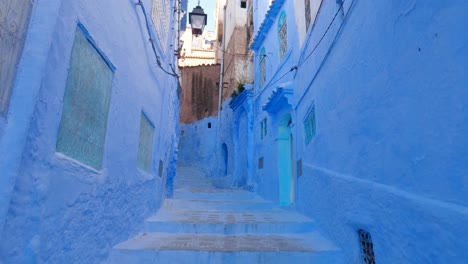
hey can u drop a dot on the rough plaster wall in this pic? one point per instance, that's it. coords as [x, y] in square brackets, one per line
[197, 144]
[62, 211]
[390, 102]
[236, 62]
[201, 146]
[27, 83]
[199, 97]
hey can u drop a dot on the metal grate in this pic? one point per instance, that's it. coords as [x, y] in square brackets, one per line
[145, 145]
[308, 16]
[282, 35]
[86, 102]
[299, 168]
[160, 169]
[309, 126]
[367, 248]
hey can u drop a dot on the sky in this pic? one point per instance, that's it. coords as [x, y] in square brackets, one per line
[209, 8]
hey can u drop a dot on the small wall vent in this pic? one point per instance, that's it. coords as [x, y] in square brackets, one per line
[260, 163]
[243, 4]
[160, 169]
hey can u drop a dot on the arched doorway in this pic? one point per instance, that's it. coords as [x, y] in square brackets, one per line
[285, 161]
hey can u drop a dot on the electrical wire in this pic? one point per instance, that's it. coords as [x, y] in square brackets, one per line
[296, 67]
[324, 34]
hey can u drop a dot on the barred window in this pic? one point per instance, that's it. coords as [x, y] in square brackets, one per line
[86, 102]
[309, 125]
[282, 35]
[367, 247]
[308, 17]
[160, 14]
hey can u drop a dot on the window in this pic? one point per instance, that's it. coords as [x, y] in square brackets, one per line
[263, 128]
[282, 35]
[311, 8]
[309, 125]
[160, 14]
[243, 3]
[86, 102]
[14, 16]
[262, 67]
[209, 124]
[367, 247]
[308, 17]
[145, 146]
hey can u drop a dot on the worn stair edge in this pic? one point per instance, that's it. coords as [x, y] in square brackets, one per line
[190, 248]
[235, 205]
[223, 228]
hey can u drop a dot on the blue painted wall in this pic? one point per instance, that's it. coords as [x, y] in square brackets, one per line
[390, 99]
[58, 210]
[388, 84]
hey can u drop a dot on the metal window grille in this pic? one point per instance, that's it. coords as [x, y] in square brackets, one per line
[283, 35]
[262, 67]
[307, 12]
[160, 9]
[367, 247]
[86, 102]
[310, 126]
[145, 148]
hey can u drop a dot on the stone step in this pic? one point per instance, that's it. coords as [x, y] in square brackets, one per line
[229, 222]
[234, 205]
[213, 194]
[203, 248]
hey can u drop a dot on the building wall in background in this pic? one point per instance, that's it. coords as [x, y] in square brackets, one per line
[385, 82]
[199, 98]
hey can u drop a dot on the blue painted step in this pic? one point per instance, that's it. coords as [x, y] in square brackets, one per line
[202, 248]
[258, 204]
[270, 221]
[205, 224]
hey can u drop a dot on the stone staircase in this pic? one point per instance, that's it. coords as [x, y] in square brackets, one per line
[203, 224]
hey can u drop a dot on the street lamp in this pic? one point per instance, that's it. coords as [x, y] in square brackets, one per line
[197, 19]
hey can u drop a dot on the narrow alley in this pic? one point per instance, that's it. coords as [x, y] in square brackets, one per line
[233, 132]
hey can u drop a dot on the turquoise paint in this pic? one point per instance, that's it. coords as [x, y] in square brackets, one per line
[145, 146]
[83, 125]
[310, 125]
[285, 160]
